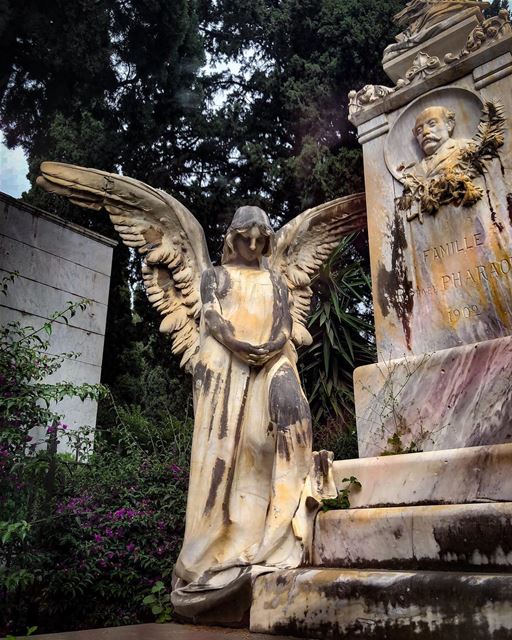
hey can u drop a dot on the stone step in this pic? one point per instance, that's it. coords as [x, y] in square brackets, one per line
[453, 476]
[383, 605]
[448, 399]
[464, 537]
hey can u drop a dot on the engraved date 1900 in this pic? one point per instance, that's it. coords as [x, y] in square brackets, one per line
[464, 312]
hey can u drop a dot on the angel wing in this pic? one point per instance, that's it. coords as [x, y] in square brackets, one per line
[303, 245]
[161, 228]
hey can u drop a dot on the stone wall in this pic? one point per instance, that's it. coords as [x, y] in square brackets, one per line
[58, 262]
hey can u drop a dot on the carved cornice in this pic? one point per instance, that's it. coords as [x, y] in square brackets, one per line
[486, 32]
[369, 94]
[425, 65]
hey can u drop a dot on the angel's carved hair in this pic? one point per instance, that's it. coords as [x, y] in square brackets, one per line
[244, 219]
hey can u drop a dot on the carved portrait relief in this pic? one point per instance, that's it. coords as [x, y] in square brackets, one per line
[434, 132]
[453, 135]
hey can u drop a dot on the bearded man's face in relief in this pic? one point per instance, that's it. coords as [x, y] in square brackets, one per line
[433, 127]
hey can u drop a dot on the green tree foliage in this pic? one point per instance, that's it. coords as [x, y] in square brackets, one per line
[220, 103]
[342, 330]
[496, 7]
[81, 544]
[108, 84]
[287, 110]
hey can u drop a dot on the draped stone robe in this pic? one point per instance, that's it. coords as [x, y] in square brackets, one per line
[251, 449]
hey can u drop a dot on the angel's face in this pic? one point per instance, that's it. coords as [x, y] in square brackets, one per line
[249, 245]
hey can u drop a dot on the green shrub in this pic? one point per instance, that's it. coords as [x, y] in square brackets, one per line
[82, 543]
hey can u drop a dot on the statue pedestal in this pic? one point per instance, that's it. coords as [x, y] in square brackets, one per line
[348, 603]
[459, 397]
[425, 548]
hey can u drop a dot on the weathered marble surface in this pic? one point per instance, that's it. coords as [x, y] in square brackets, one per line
[383, 605]
[454, 66]
[460, 397]
[469, 536]
[452, 36]
[448, 281]
[255, 483]
[454, 476]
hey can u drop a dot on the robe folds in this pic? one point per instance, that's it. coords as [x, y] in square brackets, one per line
[251, 451]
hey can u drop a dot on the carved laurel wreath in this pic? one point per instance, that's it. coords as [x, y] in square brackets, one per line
[455, 185]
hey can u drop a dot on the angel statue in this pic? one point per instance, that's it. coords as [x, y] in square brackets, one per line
[254, 480]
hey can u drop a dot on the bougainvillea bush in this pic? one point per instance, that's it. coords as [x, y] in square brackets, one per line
[83, 542]
[114, 532]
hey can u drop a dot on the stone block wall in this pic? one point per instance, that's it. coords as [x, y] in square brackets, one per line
[58, 262]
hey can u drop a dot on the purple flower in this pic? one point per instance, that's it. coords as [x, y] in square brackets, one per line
[125, 513]
[51, 429]
[130, 547]
[98, 538]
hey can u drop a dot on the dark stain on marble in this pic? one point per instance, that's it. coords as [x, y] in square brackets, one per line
[457, 604]
[231, 471]
[217, 474]
[483, 534]
[288, 406]
[394, 288]
[223, 424]
[204, 375]
[208, 286]
[224, 283]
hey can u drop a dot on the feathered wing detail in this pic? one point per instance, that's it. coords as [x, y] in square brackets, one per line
[305, 243]
[160, 228]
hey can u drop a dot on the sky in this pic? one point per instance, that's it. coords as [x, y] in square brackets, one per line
[13, 165]
[13, 171]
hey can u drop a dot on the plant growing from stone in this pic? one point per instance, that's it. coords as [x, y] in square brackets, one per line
[342, 501]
